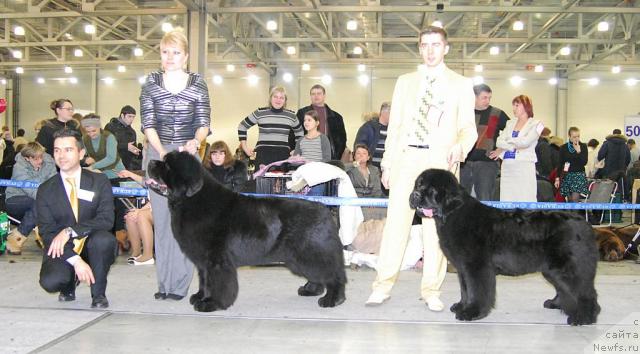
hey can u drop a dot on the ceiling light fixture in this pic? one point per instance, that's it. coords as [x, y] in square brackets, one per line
[553, 81]
[68, 69]
[16, 54]
[18, 31]
[352, 25]
[518, 25]
[616, 69]
[326, 79]
[516, 80]
[167, 27]
[478, 68]
[306, 67]
[437, 23]
[565, 50]
[73, 80]
[362, 67]
[231, 67]
[538, 68]
[138, 52]
[495, 50]
[287, 77]
[631, 82]
[40, 80]
[253, 79]
[291, 50]
[357, 50]
[19, 70]
[217, 79]
[603, 26]
[89, 29]
[122, 68]
[272, 25]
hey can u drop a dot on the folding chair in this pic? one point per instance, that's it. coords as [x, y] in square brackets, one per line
[601, 191]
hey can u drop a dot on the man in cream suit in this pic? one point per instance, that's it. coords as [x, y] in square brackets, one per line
[432, 125]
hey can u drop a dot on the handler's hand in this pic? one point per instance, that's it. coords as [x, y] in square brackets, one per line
[57, 245]
[495, 154]
[385, 179]
[84, 272]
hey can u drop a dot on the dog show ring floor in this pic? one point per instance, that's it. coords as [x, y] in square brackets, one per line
[269, 316]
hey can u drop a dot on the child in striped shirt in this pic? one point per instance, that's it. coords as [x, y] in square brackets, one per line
[314, 146]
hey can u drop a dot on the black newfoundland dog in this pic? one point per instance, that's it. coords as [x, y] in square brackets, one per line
[482, 242]
[220, 230]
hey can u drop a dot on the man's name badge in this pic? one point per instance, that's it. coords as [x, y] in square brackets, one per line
[85, 195]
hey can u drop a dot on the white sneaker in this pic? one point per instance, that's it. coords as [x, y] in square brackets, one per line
[434, 304]
[376, 299]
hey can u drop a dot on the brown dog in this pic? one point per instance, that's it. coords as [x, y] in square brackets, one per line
[610, 245]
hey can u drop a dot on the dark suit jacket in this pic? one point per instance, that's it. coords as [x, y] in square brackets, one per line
[55, 214]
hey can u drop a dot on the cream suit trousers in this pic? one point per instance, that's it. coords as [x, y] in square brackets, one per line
[397, 228]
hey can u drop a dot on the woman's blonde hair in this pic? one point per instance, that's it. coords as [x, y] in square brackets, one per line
[32, 149]
[278, 89]
[177, 38]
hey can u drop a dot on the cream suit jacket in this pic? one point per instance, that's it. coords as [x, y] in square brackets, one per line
[455, 131]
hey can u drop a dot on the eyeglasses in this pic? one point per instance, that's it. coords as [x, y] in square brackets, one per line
[70, 109]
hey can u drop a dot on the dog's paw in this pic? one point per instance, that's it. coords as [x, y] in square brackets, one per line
[456, 307]
[196, 297]
[325, 301]
[205, 305]
[470, 313]
[551, 304]
[311, 289]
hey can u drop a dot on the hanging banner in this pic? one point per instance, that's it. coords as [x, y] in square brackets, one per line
[3, 105]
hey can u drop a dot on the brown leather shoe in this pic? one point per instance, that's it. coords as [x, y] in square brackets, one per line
[15, 240]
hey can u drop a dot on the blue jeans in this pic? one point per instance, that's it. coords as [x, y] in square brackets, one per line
[317, 190]
[23, 208]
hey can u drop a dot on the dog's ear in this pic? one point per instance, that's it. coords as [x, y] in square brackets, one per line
[452, 197]
[195, 186]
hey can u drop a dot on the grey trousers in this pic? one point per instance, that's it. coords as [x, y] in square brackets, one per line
[173, 269]
[481, 176]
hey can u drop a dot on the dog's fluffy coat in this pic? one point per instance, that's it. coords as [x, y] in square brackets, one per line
[482, 242]
[220, 230]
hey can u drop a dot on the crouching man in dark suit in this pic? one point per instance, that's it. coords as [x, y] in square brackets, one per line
[75, 216]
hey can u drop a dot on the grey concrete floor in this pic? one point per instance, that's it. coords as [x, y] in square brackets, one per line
[268, 316]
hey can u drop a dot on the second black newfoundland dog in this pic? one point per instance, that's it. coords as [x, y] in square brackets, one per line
[482, 242]
[220, 230]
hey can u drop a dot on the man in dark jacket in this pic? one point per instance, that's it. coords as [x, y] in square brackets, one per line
[121, 128]
[373, 133]
[331, 122]
[479, 171]
[544, 165]
[615, 154]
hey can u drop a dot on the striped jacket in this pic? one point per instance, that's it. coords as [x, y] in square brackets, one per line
[175, 117]
[274, 125]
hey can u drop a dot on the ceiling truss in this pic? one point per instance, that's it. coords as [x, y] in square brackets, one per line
[316, 29]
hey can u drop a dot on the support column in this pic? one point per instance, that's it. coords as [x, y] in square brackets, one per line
[562, 105]
[197, 35]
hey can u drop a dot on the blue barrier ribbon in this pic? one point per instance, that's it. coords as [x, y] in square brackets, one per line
[367, 202]
[117, 191]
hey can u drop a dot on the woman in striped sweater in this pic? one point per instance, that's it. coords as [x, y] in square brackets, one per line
[275, 122]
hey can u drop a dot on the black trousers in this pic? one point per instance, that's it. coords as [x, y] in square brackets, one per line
[99, 252]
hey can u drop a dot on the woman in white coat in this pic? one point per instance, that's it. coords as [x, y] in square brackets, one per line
[516, 146]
